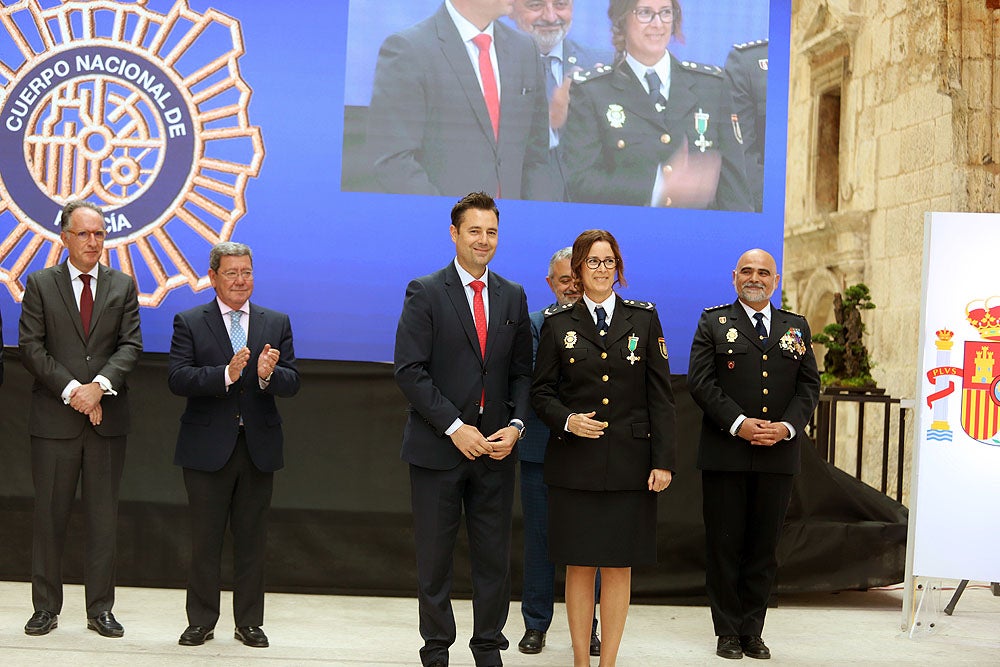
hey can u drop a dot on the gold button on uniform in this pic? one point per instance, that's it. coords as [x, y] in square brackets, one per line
[604, 355]
[764, 357]
[621, 143]
[572, 360]
[764, 409]
[764, 373]
[604, 401]
[664, 138]
[765, 392]
[604, 378]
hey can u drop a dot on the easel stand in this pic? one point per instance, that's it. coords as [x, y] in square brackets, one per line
[950, 607]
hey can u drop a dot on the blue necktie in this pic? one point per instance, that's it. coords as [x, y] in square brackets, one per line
[550, 75]
[602, 321]
[237, 334]
[759, 326]
[653, 79]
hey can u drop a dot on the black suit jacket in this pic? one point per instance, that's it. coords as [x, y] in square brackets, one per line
[55, 351]
[614, 137]
[199, 352]
[732, 372]
[439, 367]
[428, 128]
[577, 370]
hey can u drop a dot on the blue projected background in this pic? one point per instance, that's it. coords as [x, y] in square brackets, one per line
[338, 262]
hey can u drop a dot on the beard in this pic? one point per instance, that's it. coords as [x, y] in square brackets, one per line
[754, 293]
[548, 39]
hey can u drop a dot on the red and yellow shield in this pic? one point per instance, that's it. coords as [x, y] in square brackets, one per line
[980, 403]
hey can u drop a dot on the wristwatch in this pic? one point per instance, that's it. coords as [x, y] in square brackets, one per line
[519, 425]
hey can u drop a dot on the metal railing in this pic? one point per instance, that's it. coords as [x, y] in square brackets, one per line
[823, 429]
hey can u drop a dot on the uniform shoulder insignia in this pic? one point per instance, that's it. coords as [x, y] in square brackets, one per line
[743, 46]
[591, 74]
[721, 305]
[644, 305]
[789, 312]
[701, 68]
[553, 310]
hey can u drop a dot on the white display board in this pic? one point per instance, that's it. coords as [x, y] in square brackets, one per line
[955, 487]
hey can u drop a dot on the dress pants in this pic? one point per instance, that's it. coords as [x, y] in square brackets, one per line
[238, 494]
[538, 589]
[438, 498]
[56, 469]
[744, 512]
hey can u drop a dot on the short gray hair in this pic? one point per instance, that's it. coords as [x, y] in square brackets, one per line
[228, 249]
[565, 253]
[71, 206]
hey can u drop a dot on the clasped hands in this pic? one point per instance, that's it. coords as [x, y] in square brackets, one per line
[266, 362]
[762, 432]
[585, 426]
[87, 399]
[473, 444]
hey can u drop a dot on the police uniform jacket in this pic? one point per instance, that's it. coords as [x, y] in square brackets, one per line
[577, 370]
[615, 138]
[732, 372]
[746, 74]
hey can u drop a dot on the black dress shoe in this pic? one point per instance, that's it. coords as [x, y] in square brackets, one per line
[729, 647]
[595, 643]
[532, 642]
[196, 635]
[105, 625]
[251, 635]
[41, 623]
[754, 647]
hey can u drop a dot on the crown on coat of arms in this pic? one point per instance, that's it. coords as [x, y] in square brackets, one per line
[985, 317]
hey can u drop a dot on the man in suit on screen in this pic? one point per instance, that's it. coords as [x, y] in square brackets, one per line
[463, 360]
[230, 358]
[458, 105]
[79, 338]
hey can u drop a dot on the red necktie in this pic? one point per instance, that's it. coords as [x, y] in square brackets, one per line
[86, 304]
[479, 312]
[482, 42]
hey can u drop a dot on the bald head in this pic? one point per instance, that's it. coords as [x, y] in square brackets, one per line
[755, 278]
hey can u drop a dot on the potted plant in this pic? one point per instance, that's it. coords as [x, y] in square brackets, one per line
[847, 364]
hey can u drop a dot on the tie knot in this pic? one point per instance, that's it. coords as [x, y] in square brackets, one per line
[482, 41]
[234, 316]
[85, 277]
[653, 79]
[601, 313]
[759, 317]
[477, 285]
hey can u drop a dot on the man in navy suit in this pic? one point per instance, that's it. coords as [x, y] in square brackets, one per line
[463, 360]
[458, 105]
[230, 358]
[548, 22]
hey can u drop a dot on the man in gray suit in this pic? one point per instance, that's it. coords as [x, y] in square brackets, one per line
[79, 337]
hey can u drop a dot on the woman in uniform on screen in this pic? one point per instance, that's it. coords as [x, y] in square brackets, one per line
[651, 130]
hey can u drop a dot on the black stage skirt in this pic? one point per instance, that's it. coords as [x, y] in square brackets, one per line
[602, 528]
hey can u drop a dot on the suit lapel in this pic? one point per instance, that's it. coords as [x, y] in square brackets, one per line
[496, 303]
[256, 338]
[213, 319]
[682, 100]
[65, 287]
[101, 296]
[455, 290]
[633, 95]
[586, 326]
[779, 325]
[739, 319]
[457, 56]
[621, 323]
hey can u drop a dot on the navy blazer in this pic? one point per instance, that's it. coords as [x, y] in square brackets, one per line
[200, 350]
[441, 371]
[428, 128]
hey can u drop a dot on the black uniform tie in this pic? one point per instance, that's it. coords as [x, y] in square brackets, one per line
[602, 321]
[759, 326]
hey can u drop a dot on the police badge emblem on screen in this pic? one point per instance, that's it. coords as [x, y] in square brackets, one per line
[142, 113]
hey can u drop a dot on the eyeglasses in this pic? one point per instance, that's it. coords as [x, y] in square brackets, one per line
[593, 263]
[233, 275]
[646, 14]
[83, 236]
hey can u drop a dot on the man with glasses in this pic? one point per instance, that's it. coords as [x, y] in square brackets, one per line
[79, 338]
[548, 22]
[230, 358]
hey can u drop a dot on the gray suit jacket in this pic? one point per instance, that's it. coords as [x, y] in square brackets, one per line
[55, 351]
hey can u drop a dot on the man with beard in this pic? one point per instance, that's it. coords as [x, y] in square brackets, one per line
[753, 373]
[548, 22]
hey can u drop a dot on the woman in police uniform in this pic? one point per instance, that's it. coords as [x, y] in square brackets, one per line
[652, 130]
[602, 386]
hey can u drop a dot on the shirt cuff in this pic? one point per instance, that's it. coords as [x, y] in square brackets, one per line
[791, 430]
[73, 384]
[226, 374]
[455, 425]
[263, 382]
[735, 428]
[566, 425]
[105, 384]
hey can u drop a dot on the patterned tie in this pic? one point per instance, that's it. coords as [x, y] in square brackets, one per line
[653, 79]
[237, 334]
[86, 304]
[759, 326]
[482, 42]
[602, 320]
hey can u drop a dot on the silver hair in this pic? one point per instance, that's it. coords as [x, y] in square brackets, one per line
[71, 206]
[228, 249]
[565, 253]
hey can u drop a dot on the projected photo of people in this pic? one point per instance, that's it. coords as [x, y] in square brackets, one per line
[596, 101]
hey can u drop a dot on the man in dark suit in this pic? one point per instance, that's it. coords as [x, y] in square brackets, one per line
[548, 22]
[230, 358]
[746, 74]
[753, 373]
[458, 104]
[463, 360]
[79, 338]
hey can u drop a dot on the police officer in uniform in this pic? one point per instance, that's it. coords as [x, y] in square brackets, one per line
[753, 373]
[602, 387]
[652, 130]
[746, 74]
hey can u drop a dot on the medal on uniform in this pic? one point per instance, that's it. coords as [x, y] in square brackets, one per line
[701, 127]
[633, 342]
[732, 335]
[616, 116]
[569, 340]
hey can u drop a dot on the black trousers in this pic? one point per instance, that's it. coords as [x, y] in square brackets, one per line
[56, 469]
[438, 498]
[744, 512]
[238, 495]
